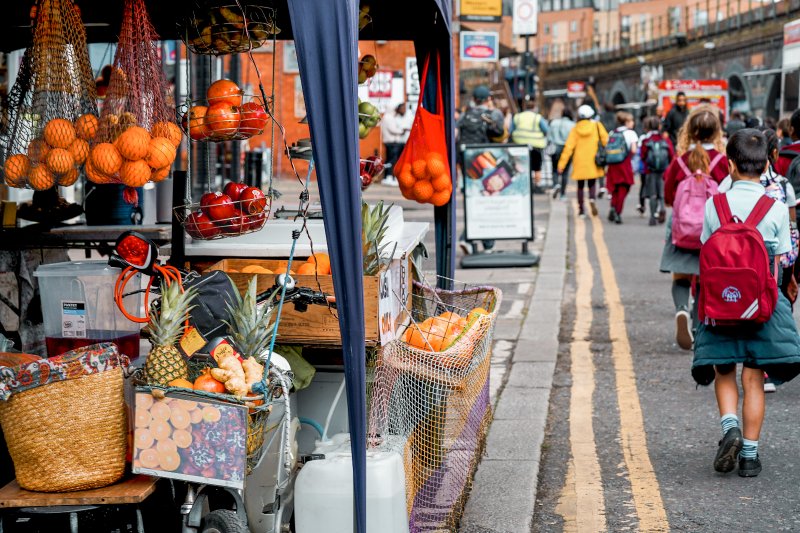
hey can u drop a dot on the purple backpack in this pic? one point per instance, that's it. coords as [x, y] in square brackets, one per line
[688, 209]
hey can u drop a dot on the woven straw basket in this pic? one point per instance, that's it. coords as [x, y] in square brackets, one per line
[69, 435]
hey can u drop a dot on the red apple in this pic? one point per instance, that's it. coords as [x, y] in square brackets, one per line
[366, 180]
[221, 208]
[207, 199]
[253, 200]
[222, 120]
[254, 119]
[199, 226]
[234, 189]
[375, 165]
[235, 224]
[256, 221]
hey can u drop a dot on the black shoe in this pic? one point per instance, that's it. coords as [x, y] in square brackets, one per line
[612, 215]
[749, 467]
[662, 216]
[729, 448]
[652, 222]
[617, 218]
[640, 208]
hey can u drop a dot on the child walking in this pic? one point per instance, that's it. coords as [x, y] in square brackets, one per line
[619, 176]
[772, 346]
[656, 154]
[581, 149]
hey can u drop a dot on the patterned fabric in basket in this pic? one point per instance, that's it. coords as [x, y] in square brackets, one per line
[70, 365]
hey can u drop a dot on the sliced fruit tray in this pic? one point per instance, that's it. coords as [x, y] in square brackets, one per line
[219, 28]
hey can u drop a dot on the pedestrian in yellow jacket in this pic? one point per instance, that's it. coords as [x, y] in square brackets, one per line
[581, 147]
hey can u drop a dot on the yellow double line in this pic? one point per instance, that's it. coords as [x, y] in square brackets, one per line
[583, 502]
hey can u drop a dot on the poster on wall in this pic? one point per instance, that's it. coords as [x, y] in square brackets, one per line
[714, 92]
[480, 46]
[498, 201]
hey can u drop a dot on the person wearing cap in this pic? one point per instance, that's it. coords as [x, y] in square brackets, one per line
[581, 149]
[529, 127]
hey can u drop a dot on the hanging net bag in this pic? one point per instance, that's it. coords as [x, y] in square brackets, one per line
[52, 105]
[137, 138]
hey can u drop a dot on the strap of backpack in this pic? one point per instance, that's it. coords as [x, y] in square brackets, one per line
[788, 154]
[760, 210]
[716, 160]
[684, 167]
[723, 209]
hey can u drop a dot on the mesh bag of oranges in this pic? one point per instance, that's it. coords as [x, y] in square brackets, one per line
[137, 137]
[423, 171]
[430, 398]
[52, 104]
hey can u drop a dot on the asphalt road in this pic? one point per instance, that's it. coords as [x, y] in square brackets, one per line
[680, 422]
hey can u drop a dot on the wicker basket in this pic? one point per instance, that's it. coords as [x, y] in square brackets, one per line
[69, 435]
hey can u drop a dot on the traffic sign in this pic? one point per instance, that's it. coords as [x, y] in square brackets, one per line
[525, 17]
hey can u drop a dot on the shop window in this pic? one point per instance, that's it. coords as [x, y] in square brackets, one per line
[573, 26]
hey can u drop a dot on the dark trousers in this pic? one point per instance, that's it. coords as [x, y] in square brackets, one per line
[393, 151]
[592, 184]
[564, 175]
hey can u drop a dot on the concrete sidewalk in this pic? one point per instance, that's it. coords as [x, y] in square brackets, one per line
[504, 491]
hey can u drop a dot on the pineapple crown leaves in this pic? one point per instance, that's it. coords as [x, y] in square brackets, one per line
[373, 230]
[250, 325]
[167, 319]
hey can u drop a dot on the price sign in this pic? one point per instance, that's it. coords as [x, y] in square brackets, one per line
[380, 86]
[385, 304]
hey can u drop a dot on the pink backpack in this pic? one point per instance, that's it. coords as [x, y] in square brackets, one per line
[689, 205]
[735, 279]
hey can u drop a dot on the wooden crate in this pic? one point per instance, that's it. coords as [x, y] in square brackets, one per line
[317, 325]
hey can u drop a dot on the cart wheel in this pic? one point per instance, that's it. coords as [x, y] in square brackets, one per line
[223, 521]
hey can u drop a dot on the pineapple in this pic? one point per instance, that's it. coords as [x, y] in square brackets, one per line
[250, 323]
[373, 230]
[164, 362]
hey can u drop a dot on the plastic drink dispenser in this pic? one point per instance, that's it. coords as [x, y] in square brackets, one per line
[79, 308]
[324, 491]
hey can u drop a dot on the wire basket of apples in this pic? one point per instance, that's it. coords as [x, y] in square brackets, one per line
[218, 27]
[368, 117]
[237, 210]
[371, 169]
[226, 114]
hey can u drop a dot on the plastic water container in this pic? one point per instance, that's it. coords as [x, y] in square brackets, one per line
[324, 491]
[79, 309]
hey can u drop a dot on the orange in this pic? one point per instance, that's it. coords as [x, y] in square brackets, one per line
[79, 150]
[41, 178]
[134, 173]
[59, 133]
[160, 152]
[60, 160]
[149, 458]
[423, 190]
[427, 334]
[94, 175]
[37, 150]
[166, 446]
[160, 411]
[106, 158]
[323, 260]
[195, 416]
[169, 460]
[160, 174]
[450, 316]
[143, 439]
[211, 414]
[282, 270]
[224, 91]
[419, 169]
[69, 178]
[448, 341]
[441, 182]
[406, 179]
[16, 170]
[142, 419]
[307, 269]
[180, 418]
[144, 401]
[435, 164]
[476, 312]
[133, 143]
[86, 126]
[441, 198]
[182, 438]
[169, 130]
[180, 382]
[161, 429]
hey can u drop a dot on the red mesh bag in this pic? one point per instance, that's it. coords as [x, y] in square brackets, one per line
[423, 169]
[53, 95]
[137, 138]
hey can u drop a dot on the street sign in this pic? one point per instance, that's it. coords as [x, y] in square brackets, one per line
[714, 92]
[412, 78]
[576, 89]
[480, 46]
[525, 17]
[481, 10]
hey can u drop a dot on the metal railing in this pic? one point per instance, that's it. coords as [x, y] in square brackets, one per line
[675, 26]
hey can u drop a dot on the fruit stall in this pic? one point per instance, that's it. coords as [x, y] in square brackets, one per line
[239, 295]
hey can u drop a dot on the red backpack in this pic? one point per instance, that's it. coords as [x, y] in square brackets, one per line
[735, 279]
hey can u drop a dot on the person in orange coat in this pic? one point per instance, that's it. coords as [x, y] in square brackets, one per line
[581, 147]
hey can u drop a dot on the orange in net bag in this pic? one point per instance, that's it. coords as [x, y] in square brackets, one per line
[423, 172]
[53, 93]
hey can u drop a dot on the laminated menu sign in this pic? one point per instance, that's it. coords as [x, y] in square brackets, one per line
[497, 191]
[73, 319]
[385, 305]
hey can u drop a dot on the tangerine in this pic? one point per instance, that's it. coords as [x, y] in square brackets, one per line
[160, 174]
[168, 130]
[182, 438]
[307, 269]
[143, 439]
[406, 179]
[41, 178]
[160, 411]
[180, 418]
[160, 152]
[441, 198]
[441, 182]
[423, 190]
[94, 175]
[435, 163]
[323, 260]
[86, 126]
[59, 133]
[180, 382]
[69, 178]
[134, 173]
[142, 419]
[60, 160]
[427, 336]
[16, 170]
[169, 460]
[419, 169]
[37, 150]
[133, 143]
[149, 458]
[106, 158]
[166, 446]
[79, 150]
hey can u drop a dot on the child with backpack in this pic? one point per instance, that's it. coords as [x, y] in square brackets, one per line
[620, 149]
[744, 317]
[657, 153]
[701, 158]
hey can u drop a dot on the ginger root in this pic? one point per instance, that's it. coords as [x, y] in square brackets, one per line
[230, 373]
[253, 371]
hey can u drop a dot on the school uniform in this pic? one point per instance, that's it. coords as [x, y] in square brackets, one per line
[773, 346]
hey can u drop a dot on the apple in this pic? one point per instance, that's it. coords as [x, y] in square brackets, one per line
[362, 75]
[234, 189]
[206, 199]
[221, 208]
[254, 119]
[366, 180]
[253, 200]
[199, 226]
[369, 64]
[236, 223]
[363, 130]
[256, 221]
[375, 165]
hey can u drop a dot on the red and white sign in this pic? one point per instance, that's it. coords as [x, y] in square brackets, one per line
[576, 89]
[714, 92]
[525, 17]
[791, 45]
[380, 86]
[791, 33]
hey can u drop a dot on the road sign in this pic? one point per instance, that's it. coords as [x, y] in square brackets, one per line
[525, 17]
[480, 46]
[576, 89]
